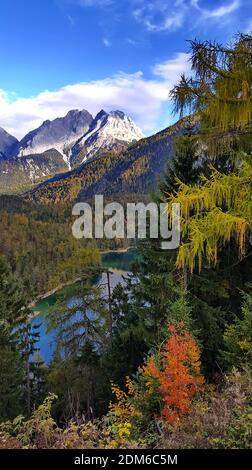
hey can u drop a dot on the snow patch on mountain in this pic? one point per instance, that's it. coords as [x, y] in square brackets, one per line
[106, 132]
[62, 144]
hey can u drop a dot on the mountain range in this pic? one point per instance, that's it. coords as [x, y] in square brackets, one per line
[135, 170]
[60, 145]
[77, 156]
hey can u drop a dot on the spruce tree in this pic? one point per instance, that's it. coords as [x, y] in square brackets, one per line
[12, 312]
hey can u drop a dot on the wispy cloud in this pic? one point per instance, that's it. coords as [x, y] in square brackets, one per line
[71, 20]
[161, 16]
[140, 97]
[92, 3]
[171, 23]
[171, 15]
[219, 12]
[131, 41]
[107, 42]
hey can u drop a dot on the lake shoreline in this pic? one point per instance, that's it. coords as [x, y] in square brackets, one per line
[53, 291]
[116, 262]
[69, 283]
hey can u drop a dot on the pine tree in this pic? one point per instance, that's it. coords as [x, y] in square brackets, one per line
[81, 332]
[238, 337]
[154, 293]
[80, 321]
[126, 350]
[186, 162]
[13, 311]
[39, 372]
[34, 380]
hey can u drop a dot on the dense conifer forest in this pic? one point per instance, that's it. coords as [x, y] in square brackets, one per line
[165, 362]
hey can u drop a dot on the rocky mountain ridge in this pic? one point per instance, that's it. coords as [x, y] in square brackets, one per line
[135, 170]
[62, 144]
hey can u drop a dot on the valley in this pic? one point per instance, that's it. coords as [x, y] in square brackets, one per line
[111, 338]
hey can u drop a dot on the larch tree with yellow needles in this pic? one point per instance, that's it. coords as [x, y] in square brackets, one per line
[218, 208]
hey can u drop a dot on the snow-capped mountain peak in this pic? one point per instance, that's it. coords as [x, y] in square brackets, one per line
[107, 131]
[64, 143]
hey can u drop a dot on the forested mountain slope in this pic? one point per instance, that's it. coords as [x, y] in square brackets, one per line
[135, 170]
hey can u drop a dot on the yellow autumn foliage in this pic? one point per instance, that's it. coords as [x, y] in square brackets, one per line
[212, 213]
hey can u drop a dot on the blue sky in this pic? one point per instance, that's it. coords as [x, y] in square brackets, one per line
[56, 55]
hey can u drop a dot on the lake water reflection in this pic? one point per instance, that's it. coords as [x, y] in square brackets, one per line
[119, 264]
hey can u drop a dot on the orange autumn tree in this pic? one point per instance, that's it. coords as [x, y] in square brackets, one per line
[178, 372]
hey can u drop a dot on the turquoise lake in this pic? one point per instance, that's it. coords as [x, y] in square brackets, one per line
[119, 264]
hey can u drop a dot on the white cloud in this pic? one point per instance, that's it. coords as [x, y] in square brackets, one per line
[131, 41]
[142, 98]
[161, 16]
[171, 23]
[171, 15]
[221, 11]
[107, 42]
[172, 69]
